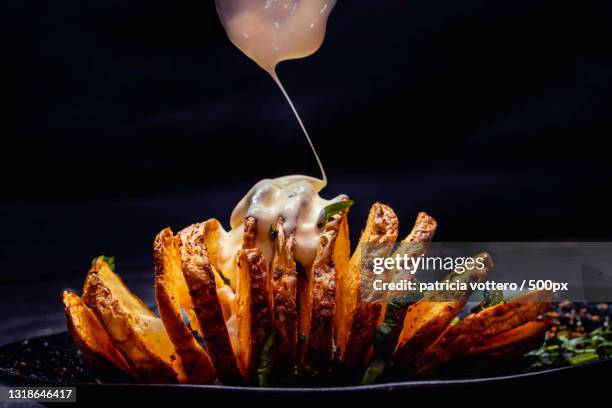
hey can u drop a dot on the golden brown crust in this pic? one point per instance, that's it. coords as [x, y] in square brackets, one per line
[132, 326]
[423, 230]
[357, 321]
[477, 329]
[427, 319]
[250, 233]
[515, 312]
[92, 339]
[255, 305]
[422, 233]
[317, 316]
[200, 278]
[510, 344]
[284, 287]
[212, 236]
[172, 294]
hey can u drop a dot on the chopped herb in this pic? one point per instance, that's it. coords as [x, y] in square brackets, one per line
[404, 301]
[455, 321]
[493, 297]
[392, 313]
[272, 233]
[335, 208]
[223, 278]
[490, 299]
[301, 272]
[110, 261]
[583, 358]
[374, 371]
[267, 361]
[563, 351]
[383, 337]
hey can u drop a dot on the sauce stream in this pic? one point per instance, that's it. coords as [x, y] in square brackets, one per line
[271, 31]
[268, 32]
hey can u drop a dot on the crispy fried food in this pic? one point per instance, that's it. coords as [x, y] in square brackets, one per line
[356, 319]
[427, 319]
[284, 289]
[317, 296]
[254, 295]
[173, 298]
[515, 312]
[93, 340]
[414, 245]
[510, 344]
[477, 330]
[212, 301]
[279, 316]
[134, 329]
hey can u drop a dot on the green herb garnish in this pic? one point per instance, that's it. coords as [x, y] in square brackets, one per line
[223, 278]
[455, 321]
[382, 340]
[374, 371]
[267, 361]
[335, 208]
[490, 299]
[583, 358]
[272, 233]
[110, 261]
[392, 314]
[493, 297]
[563, 351]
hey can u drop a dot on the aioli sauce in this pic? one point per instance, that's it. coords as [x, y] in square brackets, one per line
[294, 198]
[268, 32]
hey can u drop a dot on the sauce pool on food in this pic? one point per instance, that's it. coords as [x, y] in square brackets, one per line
[296, 200]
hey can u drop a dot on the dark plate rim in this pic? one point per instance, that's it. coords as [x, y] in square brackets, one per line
[11, 377]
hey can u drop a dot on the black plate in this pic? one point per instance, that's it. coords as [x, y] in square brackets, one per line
[53, 360]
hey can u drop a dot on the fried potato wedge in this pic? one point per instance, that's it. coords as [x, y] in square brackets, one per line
[255, 304]
[427, 319]
[212, 239]
[317, 296]
[515, 312]
[211, 301]
[414, 245]
[134, 329]
[284, 289]
[92, 339]
[356, 319]
[173, 299]
[510, 344]
[477, 330]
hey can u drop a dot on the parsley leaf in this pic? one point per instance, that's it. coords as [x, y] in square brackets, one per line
[110, 261]
[272, 233]
[335, 208]
[267, 361]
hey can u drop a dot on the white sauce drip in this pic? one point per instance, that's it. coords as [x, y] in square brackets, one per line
[271, 31]
[268, 32]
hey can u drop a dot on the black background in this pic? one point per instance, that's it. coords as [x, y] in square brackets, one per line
[121, 118]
